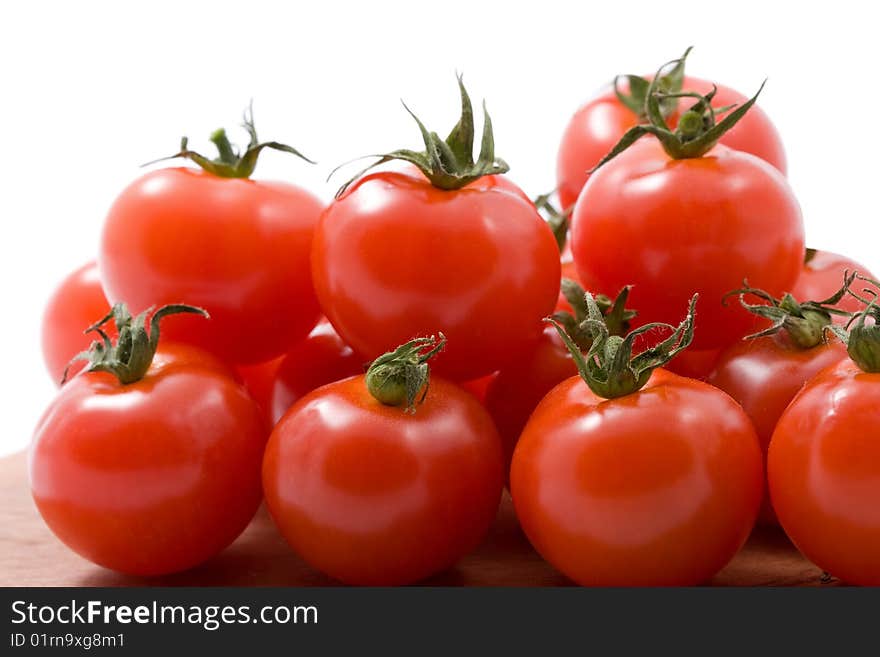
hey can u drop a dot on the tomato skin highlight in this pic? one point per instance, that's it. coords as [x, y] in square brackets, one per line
[370, 495]
[675, 227]
[599, 124]
[319, 359]
[238, 248]
[77, 303]
[764, 375]
[824, 472]
[660, 487]
[822, 276]
[153, 477]
[395, 257]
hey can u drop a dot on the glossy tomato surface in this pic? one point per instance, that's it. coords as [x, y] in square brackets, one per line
[370, 494]
[672, 228]
[319, 359]
[824, 472]
[153, 477]
[77, 303]
[822, 276]
[395, 257]
[764, 375]
[238, 248]
[518, 388]
[599, 124]
[660, 487]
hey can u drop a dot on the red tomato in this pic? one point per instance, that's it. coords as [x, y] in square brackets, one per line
[822, 276]
[259, 380]
[597, 126]
[237, 247]
[824, 472]
[694, 363]
[521, 385]
[394, 257]
[370, 494]
[479, 387]
[76, 304]
[658, 487]
[764, 375]
[151, 477]
[672, 227]
[319, 359]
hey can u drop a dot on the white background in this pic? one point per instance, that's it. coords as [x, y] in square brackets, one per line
[91, 90]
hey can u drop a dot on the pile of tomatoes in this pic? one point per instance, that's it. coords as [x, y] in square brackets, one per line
[379, 368]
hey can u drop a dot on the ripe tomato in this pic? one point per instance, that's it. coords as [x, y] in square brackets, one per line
[152, 476]
[237, 247]
[764, 375]
[598, 125]
[518, 388]
[370, 493]
[319, 359]
[674, 226]
[479, 387]
[657, 487]
[824, 472]
[394, 256]
[259, 381]
[77, 303]
[695, 363]
[821, 277]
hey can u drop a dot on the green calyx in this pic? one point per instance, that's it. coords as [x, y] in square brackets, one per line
[698, 129]
[862, 339]
[804, 323]
[130, 358]
[636, 97]
[448, 164]
[557, 220]
[230, 162]
[609, 367]
[401, 377]
[615, 315]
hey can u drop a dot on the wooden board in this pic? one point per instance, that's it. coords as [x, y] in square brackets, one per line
[31, 556]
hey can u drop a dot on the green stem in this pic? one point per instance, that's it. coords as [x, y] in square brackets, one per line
[401, 377]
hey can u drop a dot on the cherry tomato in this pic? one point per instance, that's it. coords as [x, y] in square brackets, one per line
[394, 257]
[598, 125]
[764, 375]
[822, 275]
[672, 227]
[150, 477]
[518, 388]
[237, 247]
[259, 381]
[824, 472]
[76, 304]
[371, 494]
[658, 487]
[319, 359]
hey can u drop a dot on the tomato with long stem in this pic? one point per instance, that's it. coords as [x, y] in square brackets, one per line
[398, 254]
[147, 465]
[677, 211]
[381, 479]
[628, 475]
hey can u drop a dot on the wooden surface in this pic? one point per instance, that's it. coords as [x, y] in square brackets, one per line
[31, 556]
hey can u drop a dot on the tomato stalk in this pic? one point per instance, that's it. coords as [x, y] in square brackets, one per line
[698, 128]
[609, 367]
[862, 340]
[803, 322]
[615, 314]
[557, 220]
[397, 377]
[230, 162]
[635, 99]
[132, 354]
[449, 164]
